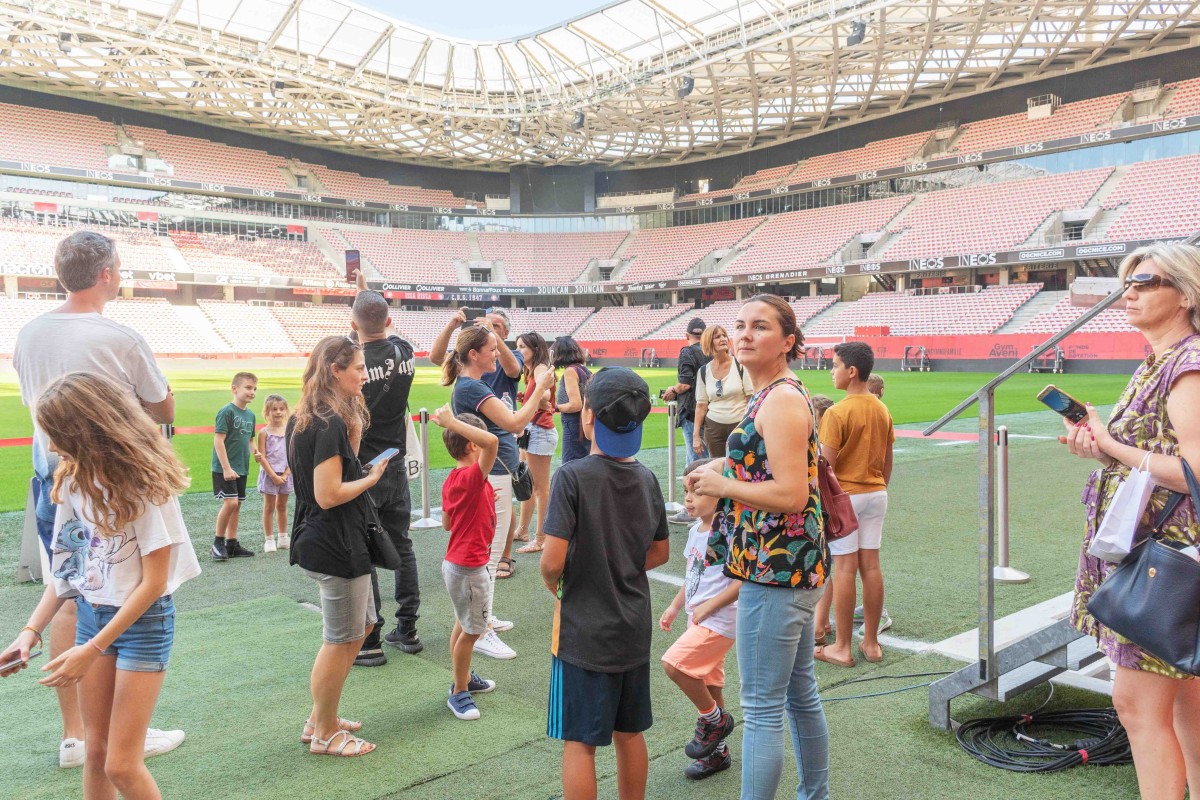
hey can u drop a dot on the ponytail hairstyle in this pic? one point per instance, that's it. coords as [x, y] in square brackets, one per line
[541, 353]
[472, 338]
[786, 316]
[112, 452]
[319, 396]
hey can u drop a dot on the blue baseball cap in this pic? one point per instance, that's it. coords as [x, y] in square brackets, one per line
[620, 401]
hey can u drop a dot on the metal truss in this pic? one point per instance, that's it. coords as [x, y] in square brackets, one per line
[603, 88]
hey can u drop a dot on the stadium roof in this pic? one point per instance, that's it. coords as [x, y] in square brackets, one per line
[636, 82]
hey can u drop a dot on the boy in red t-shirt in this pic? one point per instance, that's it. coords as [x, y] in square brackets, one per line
[469, 513]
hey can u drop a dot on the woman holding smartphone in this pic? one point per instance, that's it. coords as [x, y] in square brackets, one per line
[330, 527]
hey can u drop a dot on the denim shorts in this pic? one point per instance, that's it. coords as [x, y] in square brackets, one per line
[145, 646]
[542, 441]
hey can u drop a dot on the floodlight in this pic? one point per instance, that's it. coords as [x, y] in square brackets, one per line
[858, 31]
[514, 127]
[577, 123]
[686, 84]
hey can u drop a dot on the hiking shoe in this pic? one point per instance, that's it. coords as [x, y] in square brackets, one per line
[370, 657]
[478, 685]
[463, 705]
[885, 622]
[406, 641]
[681, 518]
[701, 768]
[71, 753]
[500, 625]
[490, 645]
[218, 552]
[159, 742]
[709, 735]
[235, 550]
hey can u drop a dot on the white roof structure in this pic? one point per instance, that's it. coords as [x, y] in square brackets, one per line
[636, 82]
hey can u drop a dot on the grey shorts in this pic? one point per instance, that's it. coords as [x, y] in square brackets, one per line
[470, 591]
[542, 441]
[347, 607]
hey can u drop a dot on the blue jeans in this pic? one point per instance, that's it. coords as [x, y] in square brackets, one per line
[687, 426]
[775, 661]
[45, 513]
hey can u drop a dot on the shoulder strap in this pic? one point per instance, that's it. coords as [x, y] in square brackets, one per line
[388, 387]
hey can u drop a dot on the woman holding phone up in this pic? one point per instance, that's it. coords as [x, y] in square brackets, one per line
[329, 529]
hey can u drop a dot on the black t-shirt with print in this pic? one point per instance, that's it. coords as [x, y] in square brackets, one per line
[331, 541]
[609, 512]
[390, 369]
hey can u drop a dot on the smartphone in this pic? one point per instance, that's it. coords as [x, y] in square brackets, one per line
[353, 264]
[19, 661]
[386, 455]
[1063, 403]
[472, 314]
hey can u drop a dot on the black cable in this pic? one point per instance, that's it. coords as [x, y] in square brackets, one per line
[881, 678]
[1010, 743]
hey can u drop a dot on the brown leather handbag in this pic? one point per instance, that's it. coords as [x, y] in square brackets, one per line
[836, 508]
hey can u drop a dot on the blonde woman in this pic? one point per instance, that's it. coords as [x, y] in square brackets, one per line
[723, 391]
[120, 550]
[330, 527]
[1158, 705]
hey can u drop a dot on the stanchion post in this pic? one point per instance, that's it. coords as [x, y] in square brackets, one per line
[1002, 571]
[426, 520]
[672, 412]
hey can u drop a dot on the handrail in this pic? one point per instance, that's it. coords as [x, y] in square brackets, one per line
[1024, 362]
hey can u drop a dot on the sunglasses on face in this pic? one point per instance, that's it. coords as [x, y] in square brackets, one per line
[1146, 281]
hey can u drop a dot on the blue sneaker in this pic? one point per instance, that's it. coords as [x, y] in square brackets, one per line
[463, 705]
[478, 685]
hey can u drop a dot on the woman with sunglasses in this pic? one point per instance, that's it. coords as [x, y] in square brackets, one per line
[723, 391]
[1156, 415]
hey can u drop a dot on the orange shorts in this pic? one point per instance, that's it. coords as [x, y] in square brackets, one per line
[700, 653]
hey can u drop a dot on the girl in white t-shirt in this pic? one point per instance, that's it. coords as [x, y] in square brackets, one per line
[120, 550]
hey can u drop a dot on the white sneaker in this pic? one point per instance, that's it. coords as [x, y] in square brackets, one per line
[159, 742]
[269, 544]
[70, 753]
[500, 625]
[490, 645]
[285, 541]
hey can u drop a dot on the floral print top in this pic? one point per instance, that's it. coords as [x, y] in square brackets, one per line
[1139, 419]
[761, 546]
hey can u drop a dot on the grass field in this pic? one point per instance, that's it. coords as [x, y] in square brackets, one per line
[245, 642]
[912, 398]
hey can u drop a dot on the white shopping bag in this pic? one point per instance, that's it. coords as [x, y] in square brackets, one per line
[1114, 537]
[412, 452]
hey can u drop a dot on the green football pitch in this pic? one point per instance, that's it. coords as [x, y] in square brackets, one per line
[246, 636]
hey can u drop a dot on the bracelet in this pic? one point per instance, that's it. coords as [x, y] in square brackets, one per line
[92, 642]
[33, 630]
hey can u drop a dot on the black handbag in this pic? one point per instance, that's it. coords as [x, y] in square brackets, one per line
[380, 548]
[522, 481]
[1153, 597]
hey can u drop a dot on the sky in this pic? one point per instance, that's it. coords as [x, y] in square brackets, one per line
[483, 19]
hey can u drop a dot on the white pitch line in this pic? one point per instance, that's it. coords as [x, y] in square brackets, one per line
[663, 577]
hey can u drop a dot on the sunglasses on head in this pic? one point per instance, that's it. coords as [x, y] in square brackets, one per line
[1146, 281]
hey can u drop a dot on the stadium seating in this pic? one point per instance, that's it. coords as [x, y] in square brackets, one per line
[907, 314]
[1186, 99]
[801, 239]
[542, 258]
[875, 155]
[628, 322]
[724, 313]
[1161, 199]
[279, 256]
[353, 186]
[306, 325]
[763, 179]
[54, 137]
[161, 325]
[247, 328]
[987, 217]
[25, 243]
[666, 253]
[210, 162]
[1068, 119]
[1110, 320]
[412, 255]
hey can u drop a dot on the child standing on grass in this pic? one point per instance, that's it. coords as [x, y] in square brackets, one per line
[119, 551]
[232, 441]
[696, 662]
[606, 525]
[469, 513]
[274, 477]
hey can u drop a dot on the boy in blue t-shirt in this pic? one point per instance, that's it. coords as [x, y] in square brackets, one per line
[232, 437]
[606, 525]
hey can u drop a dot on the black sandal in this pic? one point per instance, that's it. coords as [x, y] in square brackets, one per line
[506, 568]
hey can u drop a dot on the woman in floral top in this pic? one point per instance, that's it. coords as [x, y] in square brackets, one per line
[769, 535]
[1157, 414]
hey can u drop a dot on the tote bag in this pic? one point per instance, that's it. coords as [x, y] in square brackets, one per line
[1114, 537]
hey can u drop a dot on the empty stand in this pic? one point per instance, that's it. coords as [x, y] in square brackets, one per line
[210, 162]
[801, 239]
[547, 257]
[988, 217]
[1068, 119]
[875, 155]
[1161, 199]
[612, 323]
[307, 325]
[279, 256]
[549, 323]
[928, 314]
[724, 313]
[27, 243]
[54, 137]
[1186, 99]
[247, 328]
[412, 255]
[1110, 320]
[665, 253]
[763, 179]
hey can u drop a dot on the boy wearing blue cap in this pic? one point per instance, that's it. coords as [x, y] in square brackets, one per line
[605, 527]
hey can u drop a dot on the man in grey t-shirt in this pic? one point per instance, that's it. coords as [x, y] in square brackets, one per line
[76, 337]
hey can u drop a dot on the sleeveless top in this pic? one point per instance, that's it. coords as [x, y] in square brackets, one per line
[542, 419]
[767, 547]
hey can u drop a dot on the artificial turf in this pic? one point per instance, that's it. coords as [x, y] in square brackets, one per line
[238, 677]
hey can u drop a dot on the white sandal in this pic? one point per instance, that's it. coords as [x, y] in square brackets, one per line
[347, 740]
[343, 724]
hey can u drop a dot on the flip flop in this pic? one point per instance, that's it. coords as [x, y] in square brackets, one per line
[819, 655]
